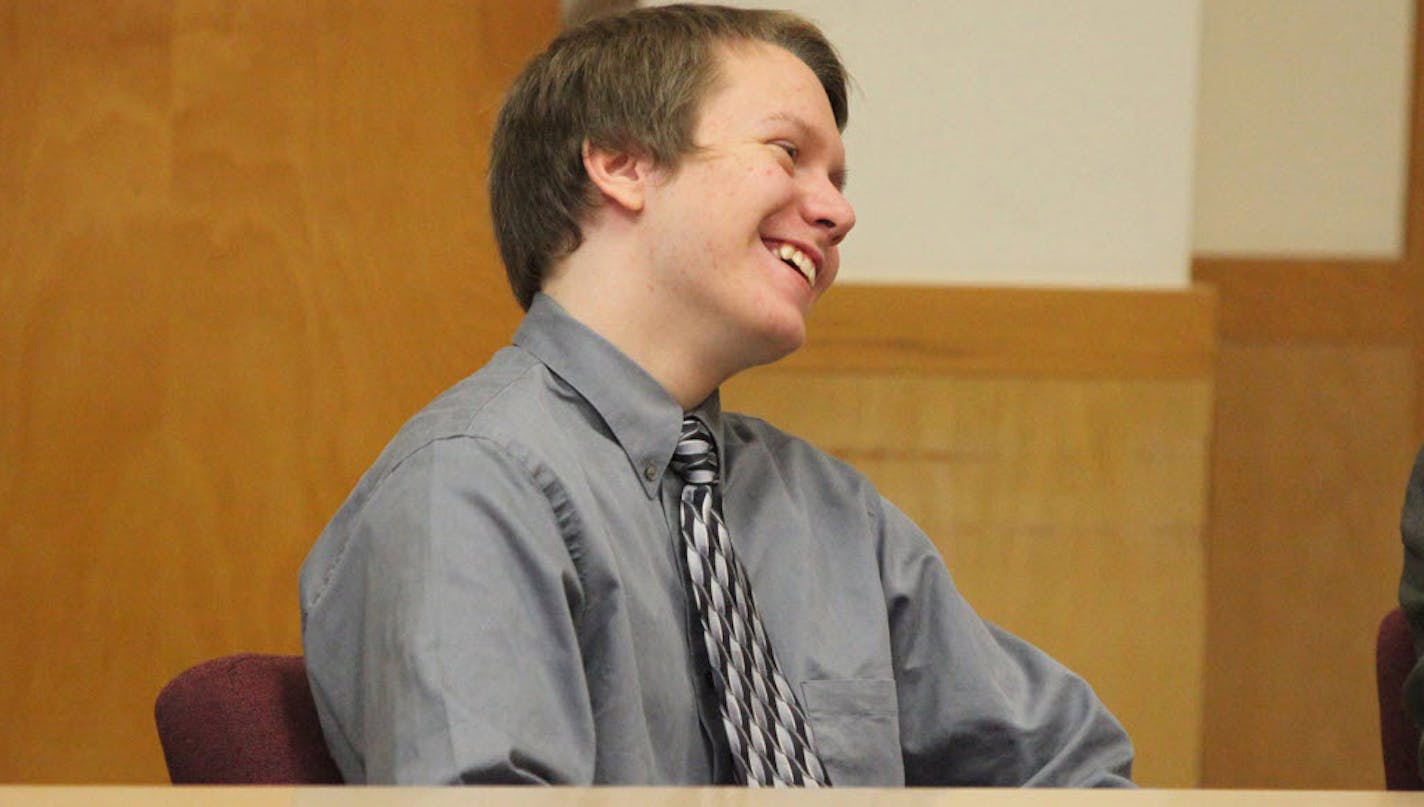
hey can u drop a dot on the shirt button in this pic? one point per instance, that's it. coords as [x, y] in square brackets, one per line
[650, 472]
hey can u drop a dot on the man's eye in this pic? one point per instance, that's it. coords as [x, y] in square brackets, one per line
[789, 148]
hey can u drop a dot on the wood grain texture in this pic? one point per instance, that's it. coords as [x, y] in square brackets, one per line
[241, 241]
[1070, 511]
[1061, 332]
[1308, 472]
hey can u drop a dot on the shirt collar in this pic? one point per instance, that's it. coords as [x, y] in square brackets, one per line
[643, 417]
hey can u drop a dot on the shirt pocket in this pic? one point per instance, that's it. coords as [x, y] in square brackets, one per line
[856, 724]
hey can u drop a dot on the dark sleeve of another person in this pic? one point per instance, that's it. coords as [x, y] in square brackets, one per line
[1411, 587]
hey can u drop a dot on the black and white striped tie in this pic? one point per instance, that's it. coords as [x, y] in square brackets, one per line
[770, 738]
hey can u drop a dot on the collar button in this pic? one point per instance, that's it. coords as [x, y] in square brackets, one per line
[650, 472]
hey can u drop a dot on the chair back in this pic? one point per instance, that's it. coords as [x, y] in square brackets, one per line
[1399, 737]
[243, 719]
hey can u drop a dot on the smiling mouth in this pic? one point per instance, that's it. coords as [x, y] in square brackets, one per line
[798, 260]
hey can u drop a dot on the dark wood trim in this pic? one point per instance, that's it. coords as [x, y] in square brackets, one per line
[1282, 299]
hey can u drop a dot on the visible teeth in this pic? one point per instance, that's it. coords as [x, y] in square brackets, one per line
[800, 260]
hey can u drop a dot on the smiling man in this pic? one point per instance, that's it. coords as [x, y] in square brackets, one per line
[574, 568]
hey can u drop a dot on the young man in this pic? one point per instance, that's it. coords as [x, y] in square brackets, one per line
[574, 568]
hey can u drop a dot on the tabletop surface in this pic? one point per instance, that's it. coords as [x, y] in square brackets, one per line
[106, 796]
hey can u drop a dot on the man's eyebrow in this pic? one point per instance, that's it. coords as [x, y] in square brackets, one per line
[786, 117]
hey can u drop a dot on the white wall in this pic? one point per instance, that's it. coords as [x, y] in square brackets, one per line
[1018, 141]
[1103, 142]
[1302, 145]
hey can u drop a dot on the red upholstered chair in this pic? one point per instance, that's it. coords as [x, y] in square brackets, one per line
[244, 719]
[1399, 737]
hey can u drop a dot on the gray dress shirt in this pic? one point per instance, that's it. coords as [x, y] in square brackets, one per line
[501, 599]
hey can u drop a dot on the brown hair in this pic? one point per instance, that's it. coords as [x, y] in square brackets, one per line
[633, 82]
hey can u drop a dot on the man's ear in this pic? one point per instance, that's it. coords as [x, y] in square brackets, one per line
[621, 177]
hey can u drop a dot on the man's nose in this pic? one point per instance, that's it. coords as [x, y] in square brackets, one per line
[828, 208]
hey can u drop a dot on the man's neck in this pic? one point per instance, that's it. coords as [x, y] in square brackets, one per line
[620, 309]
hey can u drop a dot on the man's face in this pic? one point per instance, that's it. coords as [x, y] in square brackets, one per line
[744, 232]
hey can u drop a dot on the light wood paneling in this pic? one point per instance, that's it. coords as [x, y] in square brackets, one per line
[240, 243]
[1005, 330]
[1069, 507]
[1308, 472]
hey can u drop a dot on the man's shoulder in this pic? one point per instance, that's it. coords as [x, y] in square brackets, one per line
[480, 419]
[491, 403]
[754, 440]
[499, 410]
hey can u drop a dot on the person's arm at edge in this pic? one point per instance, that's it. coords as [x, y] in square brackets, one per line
[1411, 589]
[441, 643]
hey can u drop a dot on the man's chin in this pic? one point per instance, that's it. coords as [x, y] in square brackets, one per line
[779, 344]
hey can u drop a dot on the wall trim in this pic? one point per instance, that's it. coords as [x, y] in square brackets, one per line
[1360, 302]
[1011, 331]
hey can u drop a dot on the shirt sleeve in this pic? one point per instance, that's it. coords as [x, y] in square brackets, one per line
[979, 706]
[441, 642]
[1411, 587]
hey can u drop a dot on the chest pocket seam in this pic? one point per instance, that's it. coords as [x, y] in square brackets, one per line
[856, 724]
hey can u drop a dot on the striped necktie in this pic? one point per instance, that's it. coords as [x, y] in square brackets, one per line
[770, 738]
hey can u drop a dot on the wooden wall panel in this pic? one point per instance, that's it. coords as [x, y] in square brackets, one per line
[1069, 505]
[1309, 466]
[1345, 302]
[239, 243]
